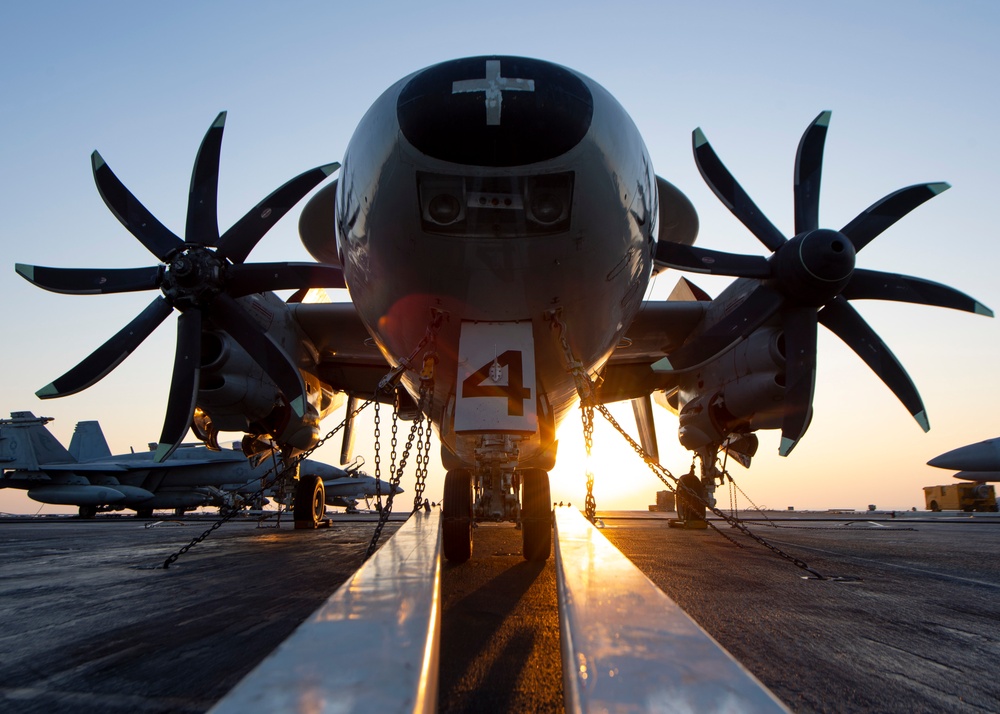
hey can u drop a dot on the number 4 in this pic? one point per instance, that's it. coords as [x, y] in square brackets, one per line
[515, 391]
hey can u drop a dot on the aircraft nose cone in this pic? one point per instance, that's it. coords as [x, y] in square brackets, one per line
[495, 111]
[984, 456]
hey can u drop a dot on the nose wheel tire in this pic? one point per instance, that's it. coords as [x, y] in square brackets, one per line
[310, 502]
[456, 516]
[536, 515]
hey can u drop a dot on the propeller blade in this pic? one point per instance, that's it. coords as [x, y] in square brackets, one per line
[883, 213]
[731, 194]
[183, 385]
[759, 306]
[701, 260]
[845, 322]
[91, 281]
[157, 238]
[109, 355]
[232, 318]
[876, 285]
[800, 375]
[238, 241]
[247, 278]
[203, 196]
[808, 170]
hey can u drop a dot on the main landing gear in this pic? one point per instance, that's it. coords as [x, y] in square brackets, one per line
[310, 502]
[457, 515]
[691, 498]
[536, 515]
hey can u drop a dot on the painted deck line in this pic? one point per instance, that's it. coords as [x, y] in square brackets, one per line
[627, 647]
[373, 646]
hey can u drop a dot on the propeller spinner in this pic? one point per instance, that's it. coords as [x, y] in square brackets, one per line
[808, 279]
[200, 276]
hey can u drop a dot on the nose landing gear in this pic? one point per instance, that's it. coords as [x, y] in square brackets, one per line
[458, 513]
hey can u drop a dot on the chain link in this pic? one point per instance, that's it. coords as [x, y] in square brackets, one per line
[423, 460]
[390, 379]
[418, 431]
[734, 485]
[397, 473]
[587, 416]
[393, 441]
[378, 457]
[584, 384]
[278, 472]
[585, 389]
[660, 471]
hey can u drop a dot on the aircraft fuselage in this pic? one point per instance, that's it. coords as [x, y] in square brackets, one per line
[515, 198]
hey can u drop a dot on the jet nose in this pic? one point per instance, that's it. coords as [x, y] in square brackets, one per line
[984, 456]
[495, 111]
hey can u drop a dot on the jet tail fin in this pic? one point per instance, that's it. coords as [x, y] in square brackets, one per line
[25, 443]
[88, 442]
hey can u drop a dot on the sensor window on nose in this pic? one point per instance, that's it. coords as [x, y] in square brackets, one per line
[495, 206]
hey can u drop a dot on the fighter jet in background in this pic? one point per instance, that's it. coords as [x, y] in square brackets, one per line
[978, 462]
[497, 221]
[346, 487]
[88, 476]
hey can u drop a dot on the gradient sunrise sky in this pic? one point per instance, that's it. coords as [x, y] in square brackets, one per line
[912, 87]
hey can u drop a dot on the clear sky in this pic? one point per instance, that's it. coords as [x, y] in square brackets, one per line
[912, 86]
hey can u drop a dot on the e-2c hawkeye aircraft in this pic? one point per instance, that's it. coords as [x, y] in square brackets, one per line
[497, 221]
[88, 476]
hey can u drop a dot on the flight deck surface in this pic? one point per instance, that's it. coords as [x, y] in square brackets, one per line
[908, 619]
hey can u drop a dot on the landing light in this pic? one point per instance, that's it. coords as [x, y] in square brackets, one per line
[495, 206]
[444, 209]
[546, 208]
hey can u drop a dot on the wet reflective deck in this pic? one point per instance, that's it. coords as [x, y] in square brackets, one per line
[914, 625]
[89, 626]
[916, 628]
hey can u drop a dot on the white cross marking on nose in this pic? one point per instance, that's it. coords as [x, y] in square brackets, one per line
[494, 86]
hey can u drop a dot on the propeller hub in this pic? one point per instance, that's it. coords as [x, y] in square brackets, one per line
[813, 267]
[193, 278]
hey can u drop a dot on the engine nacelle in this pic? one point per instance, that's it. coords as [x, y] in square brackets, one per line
[233, 383]
[763, 352]
[741, 392]
[237, 395]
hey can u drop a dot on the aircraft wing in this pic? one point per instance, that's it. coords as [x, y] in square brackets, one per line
[102, 467]
[349, 360]
[659, 328]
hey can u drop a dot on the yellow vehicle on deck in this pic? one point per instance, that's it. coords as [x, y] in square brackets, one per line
[961, 497]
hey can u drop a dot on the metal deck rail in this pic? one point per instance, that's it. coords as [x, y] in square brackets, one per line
[627, 647]
[373, 646]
